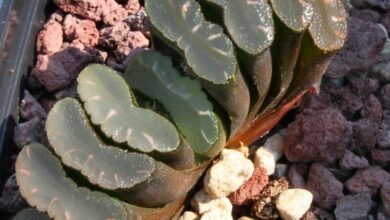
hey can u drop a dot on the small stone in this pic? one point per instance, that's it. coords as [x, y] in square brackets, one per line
[353, 206]
[132, 6]
[264, 207]
[372, 109]
[202, 203]
[59, 70]
[265, 158]
[319, 136]
[188, 215]
[365, 14]
[324, 186]
[293, 203]
[385, 197]
[365, 135]
[295, 178]
[11, 201]
[385, 96]
[368, 180]
[275, 144]
[30, 108]
[83, 30]
[121, 40]
[384, 138]
[362, 49]
[351, 161]
[381, 157]
[382, 4]
[251, 189]
[281, 170]
[228, 174]
[50, 39]
[216, 214]
[28, 132]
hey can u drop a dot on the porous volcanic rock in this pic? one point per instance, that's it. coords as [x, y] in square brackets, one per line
[368, 180]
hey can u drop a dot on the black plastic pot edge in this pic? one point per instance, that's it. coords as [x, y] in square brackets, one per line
[20, 21]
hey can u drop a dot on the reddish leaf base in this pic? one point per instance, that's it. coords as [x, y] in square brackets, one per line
[262, 124]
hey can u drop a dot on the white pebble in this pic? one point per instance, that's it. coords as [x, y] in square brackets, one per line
[292, 204]
[216, 214]
[202, 203]
[245, 218]
[188, 215]
[275, 144]
[271, 152]
[228, 174]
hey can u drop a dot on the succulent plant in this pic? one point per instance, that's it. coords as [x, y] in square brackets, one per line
[246, 64]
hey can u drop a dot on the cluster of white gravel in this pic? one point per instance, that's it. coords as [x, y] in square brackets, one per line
[231, 170]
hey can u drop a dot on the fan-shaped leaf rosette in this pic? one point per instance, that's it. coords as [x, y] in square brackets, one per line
[73, 139]
[107, 99]
[44, 185]
[208, 51]
[181, 96]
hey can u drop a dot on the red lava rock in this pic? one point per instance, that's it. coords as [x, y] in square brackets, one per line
[30, 108]
[381, 157]
[121, 40]
[11, 201]
[113, 12]
[132, 6]
[108, 11]
[316, 102]
[365, 14]
[365, 135]
[325, 187]
[139, 22]
[364, 86]
[50, 39]
[317, 136]
[347, 101]
[59, 70]
[385, 197]
[385, 96]
[368, 180]
[83, 30]
[385, 20]
[295, 179]
[351, 161]
[28, 132]
[353, 206]
[47, 103]
[372, 109]
[362, 49]
[251, 189]
[384, 133]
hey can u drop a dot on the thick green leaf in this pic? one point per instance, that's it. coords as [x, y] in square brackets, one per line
[259, 73]
[249, 23]
[30, 214]
[296, 14]
[208, 51]
[283, 64]
[73, 139]
[108, 101]
[234, 98]
[153, 75]
[312, 64]
[43, 183]
[329, 25]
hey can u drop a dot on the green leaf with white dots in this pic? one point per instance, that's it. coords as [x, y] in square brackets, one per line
[295, 14]
[153, 74]
[329, 25]
[208, 51]
[249, 23]
[43, 183]
[107, 99]
[74, 140]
